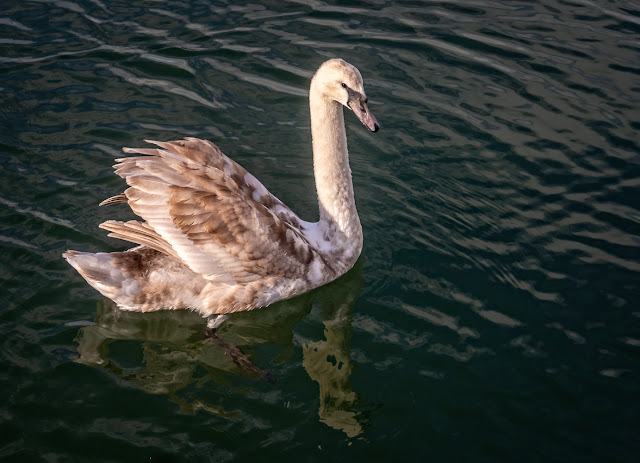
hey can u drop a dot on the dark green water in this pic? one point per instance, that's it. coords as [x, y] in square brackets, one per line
[494, 314]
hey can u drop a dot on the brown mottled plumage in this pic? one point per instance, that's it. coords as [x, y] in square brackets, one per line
[213, 238]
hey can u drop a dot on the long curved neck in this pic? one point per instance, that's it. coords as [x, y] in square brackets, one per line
[331, 168]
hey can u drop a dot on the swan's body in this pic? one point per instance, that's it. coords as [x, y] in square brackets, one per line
[213, 238]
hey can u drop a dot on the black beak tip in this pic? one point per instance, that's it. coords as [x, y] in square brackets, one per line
[376, 127]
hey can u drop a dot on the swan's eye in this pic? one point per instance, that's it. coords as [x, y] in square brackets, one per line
[343, 85]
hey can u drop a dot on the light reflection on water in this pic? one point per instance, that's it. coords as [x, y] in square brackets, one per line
[173, 348]
[499, 203]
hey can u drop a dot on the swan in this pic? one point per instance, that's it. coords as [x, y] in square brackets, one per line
[213, 239]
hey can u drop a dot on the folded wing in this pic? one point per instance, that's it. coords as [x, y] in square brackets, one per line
[205, 209]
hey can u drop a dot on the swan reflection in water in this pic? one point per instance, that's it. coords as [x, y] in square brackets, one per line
[170, 352]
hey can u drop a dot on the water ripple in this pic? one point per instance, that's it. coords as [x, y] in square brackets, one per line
[499, 204]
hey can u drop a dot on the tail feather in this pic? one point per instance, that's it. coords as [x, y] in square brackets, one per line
[100, 271]
[140, 279]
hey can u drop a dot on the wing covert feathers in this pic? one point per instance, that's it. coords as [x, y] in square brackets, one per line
[204, 209]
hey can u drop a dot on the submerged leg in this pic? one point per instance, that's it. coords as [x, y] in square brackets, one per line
[238, 357]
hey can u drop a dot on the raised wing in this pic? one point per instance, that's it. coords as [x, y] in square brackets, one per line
[212, 214]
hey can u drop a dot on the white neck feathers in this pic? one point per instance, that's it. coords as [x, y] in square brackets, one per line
[331, 168]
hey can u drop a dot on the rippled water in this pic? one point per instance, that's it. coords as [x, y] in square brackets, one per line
[494, 312]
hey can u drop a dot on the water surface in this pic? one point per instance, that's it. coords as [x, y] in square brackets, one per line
[494, 312]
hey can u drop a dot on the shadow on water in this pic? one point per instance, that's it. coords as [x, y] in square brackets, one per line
[165, 352]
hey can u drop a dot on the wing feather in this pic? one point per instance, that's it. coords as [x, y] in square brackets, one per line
[138, 232]
[213, 215]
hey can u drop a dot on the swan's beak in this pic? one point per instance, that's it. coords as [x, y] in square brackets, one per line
[359, 107]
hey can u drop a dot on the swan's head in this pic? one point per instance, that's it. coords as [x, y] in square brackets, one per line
[342, 82]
